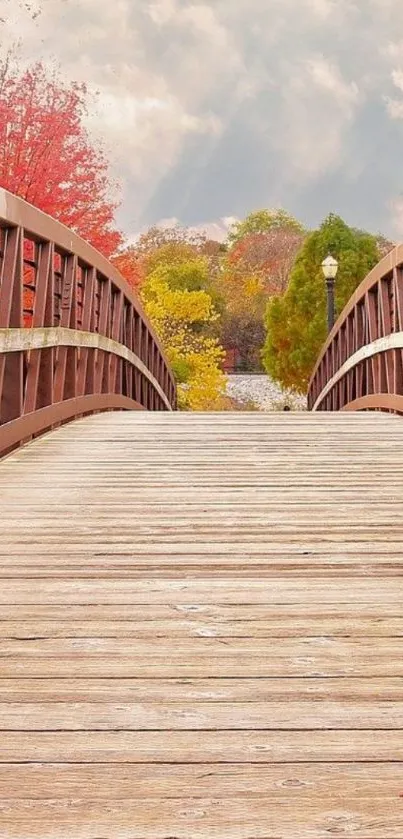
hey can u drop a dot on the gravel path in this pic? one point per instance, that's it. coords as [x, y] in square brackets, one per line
[263, 392]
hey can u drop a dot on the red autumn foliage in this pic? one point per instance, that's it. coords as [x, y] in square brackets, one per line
[29, 277]
[129, 263]
[270, 255]
[47, 156]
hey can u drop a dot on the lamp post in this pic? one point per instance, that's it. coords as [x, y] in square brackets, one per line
[330, 267]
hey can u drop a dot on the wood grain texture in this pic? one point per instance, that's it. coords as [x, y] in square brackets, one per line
[246, 747]
[201, 630]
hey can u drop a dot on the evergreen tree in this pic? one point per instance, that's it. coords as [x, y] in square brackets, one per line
[296, 322]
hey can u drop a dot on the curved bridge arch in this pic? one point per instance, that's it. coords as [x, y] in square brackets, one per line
[74, 338]
[361, 364]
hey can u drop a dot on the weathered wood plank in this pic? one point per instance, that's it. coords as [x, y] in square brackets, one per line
[159, 667]
[194, 613]
[211, 590]
[287, 627]
[349, 570]
[191, 649]
[214, 689]
[299, 714]
[201, 631]
[194, 747]
[156, 818]
[274, 782]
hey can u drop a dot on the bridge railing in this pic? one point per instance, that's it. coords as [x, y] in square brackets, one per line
[74, 339]
[361, 364]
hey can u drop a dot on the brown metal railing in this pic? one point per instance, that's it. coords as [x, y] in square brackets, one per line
[361, 365]
[74, 339]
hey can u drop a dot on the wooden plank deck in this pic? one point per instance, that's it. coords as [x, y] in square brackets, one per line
[201, 629]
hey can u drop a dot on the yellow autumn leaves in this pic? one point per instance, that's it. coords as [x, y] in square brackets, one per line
[184, 317]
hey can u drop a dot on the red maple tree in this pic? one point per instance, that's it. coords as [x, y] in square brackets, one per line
[130, 265]
[270, 255]
[47, 156]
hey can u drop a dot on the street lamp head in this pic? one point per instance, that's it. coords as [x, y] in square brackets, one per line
[330, 268]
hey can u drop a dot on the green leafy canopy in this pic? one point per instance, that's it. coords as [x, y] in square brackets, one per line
[296, 323]
[263, 221]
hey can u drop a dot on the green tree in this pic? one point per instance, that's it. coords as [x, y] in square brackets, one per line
[263, 221]
[296, 322]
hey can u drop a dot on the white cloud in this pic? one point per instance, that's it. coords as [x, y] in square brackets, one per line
[328, 78]
[397, 77]
[318, 107]
[216, 230]
[394, 108]
[396, 210]
[211, 108]
[162, 11]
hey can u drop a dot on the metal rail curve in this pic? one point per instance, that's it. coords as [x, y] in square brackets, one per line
[361, 364]
[74, 338]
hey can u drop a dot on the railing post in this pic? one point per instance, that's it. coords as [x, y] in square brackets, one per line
[11, 364]
[85, 367]
[66, 373]
[78, 352]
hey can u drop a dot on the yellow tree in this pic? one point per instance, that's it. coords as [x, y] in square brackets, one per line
[183, 318]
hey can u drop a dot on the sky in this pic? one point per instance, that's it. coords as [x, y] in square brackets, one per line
[209, 110]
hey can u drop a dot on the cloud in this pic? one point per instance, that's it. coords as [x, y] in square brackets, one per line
[396, 207]
[210, 109]
[317, 107]
[216, 230]
[394, 108]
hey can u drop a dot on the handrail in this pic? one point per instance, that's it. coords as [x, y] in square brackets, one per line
[72, 331]
[361, 364]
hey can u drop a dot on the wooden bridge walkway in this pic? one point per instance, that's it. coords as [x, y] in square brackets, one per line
[201, 629]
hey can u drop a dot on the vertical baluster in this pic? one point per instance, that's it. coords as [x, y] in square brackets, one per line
[398, 327]
[100, 360]
[39, 383]
[66, 375]
[85, 368]
[11, 364]
[385, 358]
[115, 362]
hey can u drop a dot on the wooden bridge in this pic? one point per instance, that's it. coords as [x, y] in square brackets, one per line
[200, 615]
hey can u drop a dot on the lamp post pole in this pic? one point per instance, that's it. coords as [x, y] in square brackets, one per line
[330, 305]
[330, 268]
